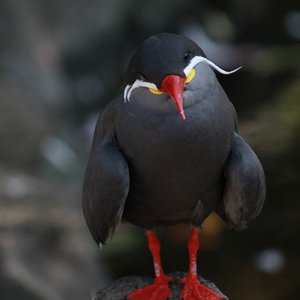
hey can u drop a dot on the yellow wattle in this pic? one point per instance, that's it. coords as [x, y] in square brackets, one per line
[156, 92]
[190, 77]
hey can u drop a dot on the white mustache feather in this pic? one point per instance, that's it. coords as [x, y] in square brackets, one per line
[197, 59]
[138, 83]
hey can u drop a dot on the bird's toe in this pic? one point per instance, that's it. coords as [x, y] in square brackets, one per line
[159, 290]
[194, 290]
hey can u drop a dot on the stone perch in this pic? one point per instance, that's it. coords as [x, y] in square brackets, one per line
[119, 289]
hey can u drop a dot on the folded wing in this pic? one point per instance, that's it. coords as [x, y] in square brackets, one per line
[106, 182]
[245, 187]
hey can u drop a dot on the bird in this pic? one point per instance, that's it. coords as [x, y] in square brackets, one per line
[168, 150]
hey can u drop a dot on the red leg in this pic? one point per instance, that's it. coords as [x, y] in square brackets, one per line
[193, 289]
[159, 289]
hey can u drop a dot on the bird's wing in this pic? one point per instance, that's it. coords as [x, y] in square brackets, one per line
[106, 182]
[245, 187]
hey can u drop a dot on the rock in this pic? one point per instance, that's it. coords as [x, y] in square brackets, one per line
[119, 289]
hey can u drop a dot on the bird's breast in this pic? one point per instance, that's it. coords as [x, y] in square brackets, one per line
[173, 162]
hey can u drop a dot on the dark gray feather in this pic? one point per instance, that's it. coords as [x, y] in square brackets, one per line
[106, 183]
[245, 187]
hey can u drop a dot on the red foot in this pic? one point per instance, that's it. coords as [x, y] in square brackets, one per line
[159, 290]
[194, 290]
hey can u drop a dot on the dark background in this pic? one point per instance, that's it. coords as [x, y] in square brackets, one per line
[60, 63]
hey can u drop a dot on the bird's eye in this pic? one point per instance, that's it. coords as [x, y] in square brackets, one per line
[186, 55]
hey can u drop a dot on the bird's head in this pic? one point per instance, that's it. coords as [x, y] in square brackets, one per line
[165, 64]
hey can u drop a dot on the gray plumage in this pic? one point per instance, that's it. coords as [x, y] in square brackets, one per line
[151, 168]
[244, 191]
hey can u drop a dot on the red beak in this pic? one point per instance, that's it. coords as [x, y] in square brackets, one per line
[173, 85]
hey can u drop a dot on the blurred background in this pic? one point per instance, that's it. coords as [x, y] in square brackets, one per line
[60, 63]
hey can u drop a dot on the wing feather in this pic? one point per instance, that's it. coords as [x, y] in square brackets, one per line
[106, 182]
[245, 187]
